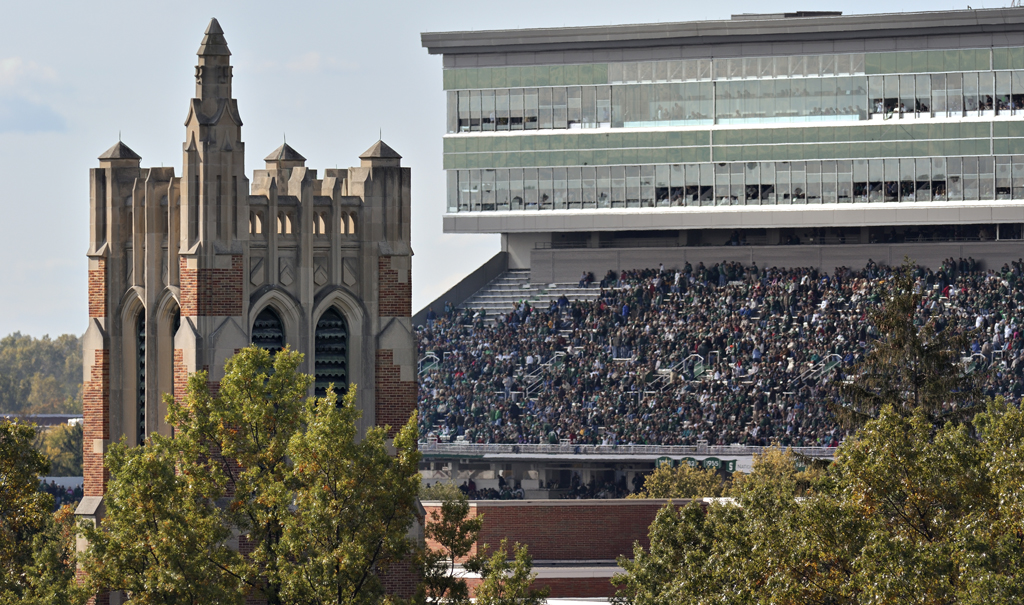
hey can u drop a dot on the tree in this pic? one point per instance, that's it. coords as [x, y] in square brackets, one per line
[319, 511]
[244, 433]
[507, 582]
[910, 366]
[907, 513]
[62, 446]
[50, 578]
[163, 539]
[354, 503]
[454, 533]
[24, 510]
[40, 375]
[683, 481]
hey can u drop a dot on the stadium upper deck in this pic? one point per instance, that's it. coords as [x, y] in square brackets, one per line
[762, 129]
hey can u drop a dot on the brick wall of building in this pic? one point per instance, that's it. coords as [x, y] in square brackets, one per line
[180, 375]
[401, 580]
[585, 531]
[96, 412]
[98, 289]
[211, 292]
[394, 298]
[395, 399]
[566, 530]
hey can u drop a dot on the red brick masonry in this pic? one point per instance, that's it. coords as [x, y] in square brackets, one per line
[211, 292]
[98, 289]
[96, 412]
[394, 299]
[585, 531]
[395, 399]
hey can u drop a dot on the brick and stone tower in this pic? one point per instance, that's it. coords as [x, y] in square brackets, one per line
[184, 271]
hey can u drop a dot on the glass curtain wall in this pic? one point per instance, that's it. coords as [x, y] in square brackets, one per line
[738, 101]
[744, 183]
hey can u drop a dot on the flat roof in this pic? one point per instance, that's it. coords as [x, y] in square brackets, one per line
[749, 28]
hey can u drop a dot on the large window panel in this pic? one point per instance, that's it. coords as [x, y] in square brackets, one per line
[891, 187]
[488, 115]
[501, 109]
[986, 177]
[515, 189]
[546, 112]
[560, 107]
[604, 186]
[970, 178]
[1003, 178]
[531, 103]
[588, 187]
[575, 106]
[618, 174]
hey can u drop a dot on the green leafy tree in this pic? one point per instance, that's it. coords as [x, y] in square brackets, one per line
[507, 582]
[62, 446]
[50, 578]
[320, 511]
[24, 510]
[163, 539]
[907, 513]
[683, 481]
[354, 504]
[41, 375]
[454, 532]
[244, 433]
[909, 367]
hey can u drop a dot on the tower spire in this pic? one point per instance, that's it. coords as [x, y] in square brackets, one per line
[213, 72]
[213, 41]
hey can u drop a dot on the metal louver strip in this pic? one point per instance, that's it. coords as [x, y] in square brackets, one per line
[331, 353]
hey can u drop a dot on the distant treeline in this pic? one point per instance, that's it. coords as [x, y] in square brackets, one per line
[40, 375]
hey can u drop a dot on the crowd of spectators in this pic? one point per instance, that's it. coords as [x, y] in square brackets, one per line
[723, 353]
[62, 495]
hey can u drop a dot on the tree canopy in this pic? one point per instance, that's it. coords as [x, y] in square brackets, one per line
[40, 375]
[910, 366]
[261, 492]
[37, 548]
[62, 446]
[907, 513]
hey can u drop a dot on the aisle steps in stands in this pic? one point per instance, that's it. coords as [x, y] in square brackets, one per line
[505, 291]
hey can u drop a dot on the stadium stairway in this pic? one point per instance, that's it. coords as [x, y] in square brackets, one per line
[504, 292]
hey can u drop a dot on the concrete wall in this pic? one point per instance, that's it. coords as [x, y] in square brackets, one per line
[467, 286]
[565, 265]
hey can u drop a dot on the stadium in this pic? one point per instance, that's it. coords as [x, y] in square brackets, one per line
[695, 221]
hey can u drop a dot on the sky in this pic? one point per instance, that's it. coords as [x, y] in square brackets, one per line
[328, 75]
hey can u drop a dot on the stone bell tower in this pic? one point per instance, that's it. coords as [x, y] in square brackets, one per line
[184, 271]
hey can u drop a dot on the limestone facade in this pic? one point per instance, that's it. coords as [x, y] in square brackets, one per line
[186, 270]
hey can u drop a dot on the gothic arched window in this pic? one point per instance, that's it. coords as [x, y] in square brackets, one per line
[140, 376]
[268, 331]
[331, 353]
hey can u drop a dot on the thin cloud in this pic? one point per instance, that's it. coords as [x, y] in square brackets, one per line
[21, 114]
[23, 85]
[16, 72]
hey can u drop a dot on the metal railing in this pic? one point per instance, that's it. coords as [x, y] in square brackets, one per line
[456, 449]
[428, 362]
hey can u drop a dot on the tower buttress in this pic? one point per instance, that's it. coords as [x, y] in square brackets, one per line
[214, 190]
